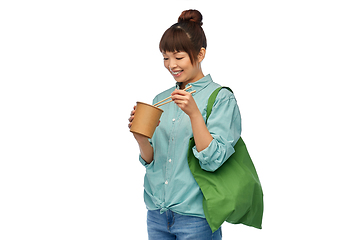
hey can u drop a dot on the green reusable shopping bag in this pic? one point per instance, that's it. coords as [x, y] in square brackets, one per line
[233, 192]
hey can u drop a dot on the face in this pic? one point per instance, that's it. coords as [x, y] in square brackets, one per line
[180, 67]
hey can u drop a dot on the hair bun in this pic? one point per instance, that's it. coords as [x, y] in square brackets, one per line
[191, 16]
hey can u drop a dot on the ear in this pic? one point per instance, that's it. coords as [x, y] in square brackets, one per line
[201, 54]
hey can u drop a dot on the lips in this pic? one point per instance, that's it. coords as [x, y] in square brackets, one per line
[176, 73]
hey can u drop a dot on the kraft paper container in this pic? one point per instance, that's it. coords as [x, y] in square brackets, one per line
[146, 119]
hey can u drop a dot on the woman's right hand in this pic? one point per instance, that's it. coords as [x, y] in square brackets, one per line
[137, 136]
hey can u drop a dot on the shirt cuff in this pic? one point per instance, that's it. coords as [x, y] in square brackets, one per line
[144, 163]
[204, 155]
[212, 157]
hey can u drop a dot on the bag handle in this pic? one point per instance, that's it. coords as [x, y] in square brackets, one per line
[212, 99]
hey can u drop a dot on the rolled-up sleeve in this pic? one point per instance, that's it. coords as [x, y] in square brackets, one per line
[142, 161]
[224, 124]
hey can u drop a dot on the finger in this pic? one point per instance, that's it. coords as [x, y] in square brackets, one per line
[179, 92]
[180, 103]
[178, 97]
[131, 118]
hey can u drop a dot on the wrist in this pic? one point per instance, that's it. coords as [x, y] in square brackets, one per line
[140, 138]
[195, 115]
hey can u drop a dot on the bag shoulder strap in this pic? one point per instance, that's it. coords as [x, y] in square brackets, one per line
[212, 100]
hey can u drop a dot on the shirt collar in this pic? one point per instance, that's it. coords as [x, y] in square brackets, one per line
[199, 84]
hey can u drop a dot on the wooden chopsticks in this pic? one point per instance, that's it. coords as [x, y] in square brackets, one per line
[158, 103]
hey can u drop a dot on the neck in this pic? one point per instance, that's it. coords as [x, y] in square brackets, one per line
[199, 76]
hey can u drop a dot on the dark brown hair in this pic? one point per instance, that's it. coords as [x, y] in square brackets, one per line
[186, 35]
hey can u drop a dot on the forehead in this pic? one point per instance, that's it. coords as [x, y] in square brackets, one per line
[174, 53]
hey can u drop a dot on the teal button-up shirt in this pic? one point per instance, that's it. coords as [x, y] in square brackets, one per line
[168, 182]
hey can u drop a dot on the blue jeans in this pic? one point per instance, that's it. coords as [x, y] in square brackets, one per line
[171, 226]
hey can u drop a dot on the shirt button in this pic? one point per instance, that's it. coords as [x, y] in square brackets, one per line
[169, 160]
[173, 120]
[166, 182]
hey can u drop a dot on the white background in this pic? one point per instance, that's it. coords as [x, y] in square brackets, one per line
[71, 71]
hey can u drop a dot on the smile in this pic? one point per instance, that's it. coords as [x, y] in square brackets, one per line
[177, 73]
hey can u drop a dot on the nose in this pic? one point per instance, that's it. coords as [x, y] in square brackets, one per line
[172, 65]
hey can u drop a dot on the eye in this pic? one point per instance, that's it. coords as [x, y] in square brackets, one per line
[179, 58]
[165, 59]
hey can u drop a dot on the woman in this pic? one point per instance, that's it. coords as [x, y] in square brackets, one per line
[172, 196]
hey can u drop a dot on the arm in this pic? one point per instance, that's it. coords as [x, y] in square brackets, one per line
[146, 150]
[223, 126]
[201, 134]
[186, 102]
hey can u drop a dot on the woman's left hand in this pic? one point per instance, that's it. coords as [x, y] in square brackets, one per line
[185, 102]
